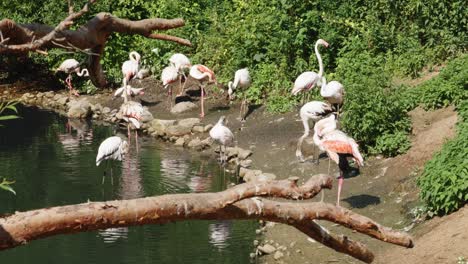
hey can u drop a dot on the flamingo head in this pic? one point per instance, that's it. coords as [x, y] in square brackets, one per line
[322, 42]
[135, 56]
[230, 91]
[222, 120]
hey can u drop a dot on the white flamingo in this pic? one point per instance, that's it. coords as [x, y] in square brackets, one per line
[338, 146]
[308, 80]
[223, 135]
[333, 92]
[205, 76]
[242, 81]
[70, 66]
[112, 148]
[169, 76]
[131, 67]
[181, 63]
[315, 111]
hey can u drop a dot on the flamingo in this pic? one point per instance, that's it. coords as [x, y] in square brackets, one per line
[223, 135]
[169, 76]
[333, 92]
[205, 76]
[338, 146]
[131, 112]
[315, 111]
[130, 91]
[308, 80]
[112, 148]
[180, 62]
[241, 80]
[70, 66]
[131, 67]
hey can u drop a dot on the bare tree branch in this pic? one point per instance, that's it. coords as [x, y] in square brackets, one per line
[234, 203]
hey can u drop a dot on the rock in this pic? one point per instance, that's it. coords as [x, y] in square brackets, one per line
[246, 163]
[252, 255]
[178, 130]
[96, 108]
[267, 249]
[242, 172]
[183, 107]
[292, 244]
[49, 94]
[146, 116]
[180, 141]
[189, 122]
[207, 128]
[265, 177]
[173, 139]
[242, 154]
[195, 143]
[255, 242]
[251, 175]
[79, 109]
[160, 126]
[232, 151]
[298, 251]
[198, 129]
[278, 255]
[258, 231]
[207, 142]
[63, 100]
[106, 110]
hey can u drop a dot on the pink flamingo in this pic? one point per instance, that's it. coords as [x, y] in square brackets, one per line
[131, 67]
[70, 66]
[169, 76]
[205, 76]
[333, 92]
[338, 146]
[132, 113]
[308, 80]
[180, 62]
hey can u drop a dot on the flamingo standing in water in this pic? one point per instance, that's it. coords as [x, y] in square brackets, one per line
[308, 80]
[315, 111]
[169, 76]
[112, 148]
[333, 92]
[70, 66]
[131, 112]
[205, 76]
[180, 62]
[131, 67]
[338, 146]
[223, 135]
[241, 81]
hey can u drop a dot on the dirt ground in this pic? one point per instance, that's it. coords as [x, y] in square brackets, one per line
[383, 190]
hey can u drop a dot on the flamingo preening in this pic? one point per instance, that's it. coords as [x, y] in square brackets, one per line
[223, 135]
[308, 80]
[70, 66]
[169, 76]
[333, 92]
[181, 63]
[241, 81]
[112, 148]
[130, 91]
[338, 146]
[205, 76]
[131, 67]
[315, 111]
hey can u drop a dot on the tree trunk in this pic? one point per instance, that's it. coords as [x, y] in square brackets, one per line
[92, 36]
[239, 202]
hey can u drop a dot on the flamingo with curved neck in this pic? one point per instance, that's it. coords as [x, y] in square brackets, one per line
[333, 92]
[131, 67]
[308, 80]
[83, 72]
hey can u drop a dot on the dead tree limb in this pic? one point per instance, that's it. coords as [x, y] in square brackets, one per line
[93, 36]
[239, 202]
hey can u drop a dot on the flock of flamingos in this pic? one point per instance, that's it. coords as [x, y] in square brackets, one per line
[326, 136]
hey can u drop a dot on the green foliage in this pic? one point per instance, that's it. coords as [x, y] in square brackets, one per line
[391, 144]
[5, 185]
[5, 106]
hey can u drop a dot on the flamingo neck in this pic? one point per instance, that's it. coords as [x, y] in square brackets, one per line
[324, 86]
[83, 72]
[305, 122]
[230, 90]
[319, 58]
[125, 94]
[134, 56]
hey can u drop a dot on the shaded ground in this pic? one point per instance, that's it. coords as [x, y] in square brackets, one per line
[382, 190]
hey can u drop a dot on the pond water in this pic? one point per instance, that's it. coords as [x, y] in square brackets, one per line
[53, 163]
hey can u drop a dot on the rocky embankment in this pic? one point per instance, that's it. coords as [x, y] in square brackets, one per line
[188, 132]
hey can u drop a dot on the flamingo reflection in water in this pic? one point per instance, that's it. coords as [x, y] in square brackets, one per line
[219, 233]
[84, 135]
[130, 188]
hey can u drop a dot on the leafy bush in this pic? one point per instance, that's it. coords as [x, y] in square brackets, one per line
[444, 182]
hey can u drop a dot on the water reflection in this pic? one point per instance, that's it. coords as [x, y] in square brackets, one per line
[220, 232]
[55, 166]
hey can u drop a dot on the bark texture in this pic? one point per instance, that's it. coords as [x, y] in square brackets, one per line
[240, 202]
[90, 37]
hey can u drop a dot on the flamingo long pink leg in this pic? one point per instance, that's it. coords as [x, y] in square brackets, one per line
[340, 184]
[136, 140]
[202, 114]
